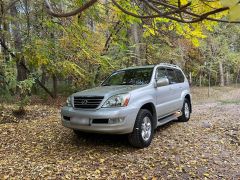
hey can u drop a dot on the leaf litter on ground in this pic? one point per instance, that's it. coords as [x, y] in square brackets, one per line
[206, 147]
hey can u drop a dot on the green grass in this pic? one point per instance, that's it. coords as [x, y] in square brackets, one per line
[225, 95]
[230, 101]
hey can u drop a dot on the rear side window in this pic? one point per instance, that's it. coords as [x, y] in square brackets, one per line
[172, 76]
[180, 76]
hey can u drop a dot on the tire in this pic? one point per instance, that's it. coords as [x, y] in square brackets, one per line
[143, 130]
[186, 113]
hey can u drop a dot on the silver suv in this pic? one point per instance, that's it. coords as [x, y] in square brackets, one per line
[132, 101]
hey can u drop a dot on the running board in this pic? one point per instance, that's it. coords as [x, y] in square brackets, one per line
[169, 118]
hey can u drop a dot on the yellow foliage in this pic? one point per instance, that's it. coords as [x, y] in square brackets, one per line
[195, 31]
[184, 2]
[195, 42]
[234, 13]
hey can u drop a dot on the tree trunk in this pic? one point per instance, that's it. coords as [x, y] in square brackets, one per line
[227, 77]
[190, 78]
[5, 53]
[136, 40]
[209, 80]
[53, 56]
[216, 80]
[221, 73]
[238, 72]
[3, 45]
[26, 7]
[54, 78]
[5, 26]
[44, 77]
[21, 73]
[200, 79]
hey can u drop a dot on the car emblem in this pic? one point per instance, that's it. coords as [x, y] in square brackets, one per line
[84, 101]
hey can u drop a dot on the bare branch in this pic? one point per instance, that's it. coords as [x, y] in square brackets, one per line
[180, 9]
[71, 13]
[133, 14]
[116, 29]
[179, 13]
[205, 15]
[160, 14]
[198, 19]
[187, 12]
[165, 15]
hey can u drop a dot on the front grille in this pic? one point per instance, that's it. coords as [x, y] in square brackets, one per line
[84, 102]
[100, 121]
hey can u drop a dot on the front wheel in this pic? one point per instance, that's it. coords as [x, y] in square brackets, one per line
[143, 130]
[186, 111]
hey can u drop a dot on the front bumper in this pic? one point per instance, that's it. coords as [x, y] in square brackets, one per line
[83, 120]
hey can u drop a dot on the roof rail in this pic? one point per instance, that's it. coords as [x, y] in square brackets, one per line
[168, 64]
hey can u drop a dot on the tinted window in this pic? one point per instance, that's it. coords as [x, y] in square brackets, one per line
[161, 73]
[116, 78]
[171, 76]
[139, 76]
[179, 75]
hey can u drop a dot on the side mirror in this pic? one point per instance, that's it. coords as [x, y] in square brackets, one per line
[162, 82]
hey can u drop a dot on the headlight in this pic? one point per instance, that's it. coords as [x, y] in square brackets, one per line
[69, 101]
[119, 100]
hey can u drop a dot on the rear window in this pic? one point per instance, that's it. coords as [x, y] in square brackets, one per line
[180, 76]
[172, 76]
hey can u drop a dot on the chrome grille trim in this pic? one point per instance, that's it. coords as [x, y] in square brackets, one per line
[87, 102]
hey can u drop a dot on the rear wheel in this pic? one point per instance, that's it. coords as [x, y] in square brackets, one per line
[143, 130]
[186, 111]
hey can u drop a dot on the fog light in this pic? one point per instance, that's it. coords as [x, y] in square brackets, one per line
[116, 120]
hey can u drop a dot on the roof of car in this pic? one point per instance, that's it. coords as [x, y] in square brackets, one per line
[138, 67]
[152, 66]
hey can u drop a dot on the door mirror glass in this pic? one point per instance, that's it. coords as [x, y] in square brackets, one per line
[162, 82]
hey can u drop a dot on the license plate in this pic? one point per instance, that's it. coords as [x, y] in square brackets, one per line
[80, 121]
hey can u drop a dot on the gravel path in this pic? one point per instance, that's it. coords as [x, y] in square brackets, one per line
[208, 146]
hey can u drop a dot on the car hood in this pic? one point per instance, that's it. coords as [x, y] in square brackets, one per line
[108, 91]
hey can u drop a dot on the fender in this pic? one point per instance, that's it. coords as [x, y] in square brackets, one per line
[146, 102]
[186, 93]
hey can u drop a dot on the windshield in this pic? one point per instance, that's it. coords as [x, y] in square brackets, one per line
[139, 76]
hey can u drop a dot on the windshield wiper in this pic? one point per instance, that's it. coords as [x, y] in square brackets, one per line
[105, 84]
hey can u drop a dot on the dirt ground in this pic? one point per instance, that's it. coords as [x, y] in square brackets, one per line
[37, 146]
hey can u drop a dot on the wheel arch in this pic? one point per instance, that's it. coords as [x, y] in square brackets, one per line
[188, 97]
[151, 107]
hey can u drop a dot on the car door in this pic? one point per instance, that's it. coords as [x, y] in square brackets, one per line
[163, 97]
[181, 86]
[173, 89]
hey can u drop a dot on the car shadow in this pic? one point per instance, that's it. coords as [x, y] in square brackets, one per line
[101, 139]
[165, 126]
[86, 140]
[107, 140]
